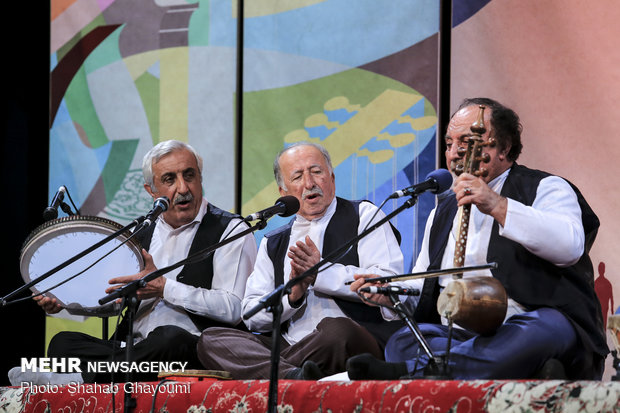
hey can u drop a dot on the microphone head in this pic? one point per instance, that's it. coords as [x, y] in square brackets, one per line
[291, 205]
[443, 178]
[164, 203]
[50, 213]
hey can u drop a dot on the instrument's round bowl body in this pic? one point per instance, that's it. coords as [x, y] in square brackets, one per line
[57, 241]
[476, 303]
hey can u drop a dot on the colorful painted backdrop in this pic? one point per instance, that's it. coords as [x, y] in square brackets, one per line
[358, 76]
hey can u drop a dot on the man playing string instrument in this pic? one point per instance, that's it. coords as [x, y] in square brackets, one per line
[539, 229]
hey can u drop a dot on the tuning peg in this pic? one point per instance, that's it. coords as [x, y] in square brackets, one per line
[483, 172]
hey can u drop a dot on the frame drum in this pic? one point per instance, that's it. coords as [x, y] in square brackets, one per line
[59, 240]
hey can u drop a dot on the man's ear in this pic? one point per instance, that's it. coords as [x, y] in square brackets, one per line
[149, 190]
[504, 152]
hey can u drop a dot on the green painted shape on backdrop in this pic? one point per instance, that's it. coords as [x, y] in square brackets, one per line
[270, 114]
[200, 25]
[148, 89]
[82, 111]
[117, 166]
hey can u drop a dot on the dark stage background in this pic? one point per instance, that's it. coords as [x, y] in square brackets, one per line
[25, 137]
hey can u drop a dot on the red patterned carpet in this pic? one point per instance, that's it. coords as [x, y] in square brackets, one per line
[326, 396]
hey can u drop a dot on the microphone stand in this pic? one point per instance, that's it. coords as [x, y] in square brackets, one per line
[433, 368]
[129, 403]
[272, 302]
[3, 300]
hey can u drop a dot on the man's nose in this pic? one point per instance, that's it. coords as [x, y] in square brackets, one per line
[182, 186]
[456, 152]
[309, 181]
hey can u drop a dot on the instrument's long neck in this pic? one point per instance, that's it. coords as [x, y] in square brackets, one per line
[461, 237]
[470, 164]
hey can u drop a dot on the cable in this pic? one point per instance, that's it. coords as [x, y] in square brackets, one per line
[156, 392]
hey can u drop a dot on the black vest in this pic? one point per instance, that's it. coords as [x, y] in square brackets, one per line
[528, 279]
[198, 274]
[341, 229]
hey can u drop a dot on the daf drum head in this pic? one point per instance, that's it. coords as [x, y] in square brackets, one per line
[57, 241]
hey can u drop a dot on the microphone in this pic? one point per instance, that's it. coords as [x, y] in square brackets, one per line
[390, 290]
[437, 182]
[51, 212]
[160, 205]
[285, 206]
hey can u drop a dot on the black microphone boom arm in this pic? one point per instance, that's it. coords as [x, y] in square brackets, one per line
[133, 286]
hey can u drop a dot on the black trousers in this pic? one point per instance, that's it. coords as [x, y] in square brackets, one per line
[166, 344]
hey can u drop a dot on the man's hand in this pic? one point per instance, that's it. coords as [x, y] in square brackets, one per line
[303, 255]
[154, 288]
[360, 282]
[48, 304]
[472, 190]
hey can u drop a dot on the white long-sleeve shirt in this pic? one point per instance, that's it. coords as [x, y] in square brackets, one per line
[379, 253]
[232, 264]
[551, 229]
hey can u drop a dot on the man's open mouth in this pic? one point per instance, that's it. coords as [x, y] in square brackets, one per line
[312, 193]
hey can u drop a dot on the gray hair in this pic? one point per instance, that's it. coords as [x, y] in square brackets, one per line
[277, 173]
[159, 151]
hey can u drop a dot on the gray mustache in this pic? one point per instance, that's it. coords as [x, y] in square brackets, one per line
[312, 191]
[183, 198]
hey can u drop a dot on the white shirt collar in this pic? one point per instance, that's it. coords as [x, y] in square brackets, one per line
[497, 182]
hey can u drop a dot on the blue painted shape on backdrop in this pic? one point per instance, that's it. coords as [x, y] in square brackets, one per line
[350, 32]
[464, 9]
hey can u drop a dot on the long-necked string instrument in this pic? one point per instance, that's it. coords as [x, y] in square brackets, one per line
[477, 303]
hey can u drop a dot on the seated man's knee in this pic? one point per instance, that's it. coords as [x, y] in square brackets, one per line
[172, 334]
[172, 342]
[339, 329]
[62, 343]
[344, 332]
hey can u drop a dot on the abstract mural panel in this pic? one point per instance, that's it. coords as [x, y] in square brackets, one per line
[358, 76]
